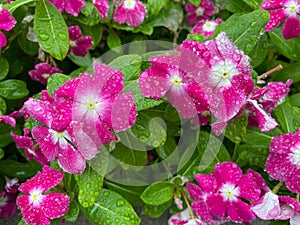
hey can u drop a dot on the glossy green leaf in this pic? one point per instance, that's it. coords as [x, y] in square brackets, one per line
[254, 4]
[73, 212]
[4, 67]
[156, 211]
[113, 40]
[13, 89]
[3, 106]
[51, 29]
[16, 4]
[290, 71]
[94, 31]
[236, 129]
[236, 6]
[90, 183]
[111, 208]
[165, 150]
[29, 47]
[295, 100]
[245, 30]
[55, 81]
[85, 61]
[158, 193]
[260, 51]
[154, 6]
[2, 154]
[22, 222]
[5, 137]
[89, 15]
[195, 2]
[255, 137]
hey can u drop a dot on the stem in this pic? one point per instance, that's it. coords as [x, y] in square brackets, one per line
[188, 204]
[277, 187]
[298, 197]
[266, 74]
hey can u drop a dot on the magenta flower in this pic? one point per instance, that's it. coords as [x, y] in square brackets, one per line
[8, 197]
[206, 27]
[42, 72]
[283, 162]
[184, 218]
[224, 74]
[131, 12]
[38, 208]
[283, 10]
[167, 76]
[72, 7]
[197, 13]
[99, 104]
[7, 119]
[102, 7]
[7, 22]
[263, 101]
[79, 45]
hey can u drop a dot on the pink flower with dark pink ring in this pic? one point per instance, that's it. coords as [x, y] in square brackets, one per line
[38, 208]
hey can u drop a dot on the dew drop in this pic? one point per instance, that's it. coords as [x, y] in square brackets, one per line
[44, 37]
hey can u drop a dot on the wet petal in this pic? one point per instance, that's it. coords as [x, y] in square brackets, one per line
[202, 210]
[50, 178]
[240, 211]
[73, 7]
[102, 6]
[291, 27]
[55, 205]
[195, 192]
[279, 166]
[217, 205]
[31, 183]
[3, 40]
[7, 21]
[228, 172]
[276, 17]
[60, 4]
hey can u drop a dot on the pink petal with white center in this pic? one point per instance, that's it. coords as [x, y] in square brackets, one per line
[207, 28]
[279, 166]
[276, 17]
[102, 6]
[207, 182]
[70, 160]
[227, 172]
[59, 4]
[3, 40]
[31, 183]
[217, 205]
[73, 7]
[201, 209]
[41, 111]
[7, 21]
[8, 120]
[50, 178]
[123, 113]
[248, 188]
[154, 82]
[240, 211]
[273, 4]
[55, 205]
[267, 208]
[293, 180]
[195, 192]
[83, 45]
[291, 27]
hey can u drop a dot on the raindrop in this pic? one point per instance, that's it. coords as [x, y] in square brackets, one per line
[253, 37]
[62, 37]
[44, 37]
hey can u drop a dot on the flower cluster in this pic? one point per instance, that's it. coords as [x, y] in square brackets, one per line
[42, 72]
[79, 45]
[8, 197]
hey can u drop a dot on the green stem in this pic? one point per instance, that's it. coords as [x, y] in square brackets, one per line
[277, 187]
[16, 4]
[188, 204]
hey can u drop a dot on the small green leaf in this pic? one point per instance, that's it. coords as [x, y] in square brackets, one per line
[88, 15]
[13, 89]
[16, 4]
[29, 47]
[22, 222]
[156, 211]
[279, 222]
[94, 31]
[255, 137]
[236, 6]
[90, 183]
[294, 100]
[254, 4]
[236, 129]
[111, 208]
[113, 40]
[4, 67]
[51, 29]
[55, 81]
[73, 212]
[85, 61]
[154, 6]
[158, 193]
[260, 51]
[195, 2]
[2, 154]
[3, 106]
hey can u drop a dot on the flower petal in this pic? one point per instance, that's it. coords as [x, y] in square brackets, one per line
[102, 6]
[228, 172]
[50, 178]
[240, 211]
[293, 181]
[217, 205]
[279, 166]
[31, 183]
[73, 7]
[195, 192]
[55, 205]
[248, 188]
[202, 210]
[207, 182]
[3, 40]
[291, 27]
[7, 21]
[276, 17]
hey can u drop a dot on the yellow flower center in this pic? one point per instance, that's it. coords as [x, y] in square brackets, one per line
[91, 105]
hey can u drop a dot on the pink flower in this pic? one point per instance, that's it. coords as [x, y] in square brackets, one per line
[228, 186]
[206, 27]
[42, 72]
[131, 12]
[184, 218]
[8, 197]
[98, 103]
[197, 13]
[224, 74]
[283, 10]
[167, 76]
[283, 162]
[263, 101]
[38, 208]
[102, 6]
[8, 120]
[54, 138]
[7, 22]
[79, 45]
[72, 7]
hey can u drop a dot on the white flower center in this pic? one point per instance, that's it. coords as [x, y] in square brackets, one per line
[176, 81]
[3, 201]
[72, 43]
[60, 137]
[46, 75]
[222, 73]
[129, 4]
[229, 192]
[294, 157]
[291, 8]
[36, 197]
[199, 11]
[209, 26]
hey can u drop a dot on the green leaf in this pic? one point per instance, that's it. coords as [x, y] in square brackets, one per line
[158, 193]
[156, 211]
[154, 6]
[2, 154]
[245, 30]
[88, 15]
[235, 6]
[255, 137]
[236, 129]
[55, 81]
[195, 2]
[81, 61]
[51, 29]
[260, 51]
[16, 4]
[5, 137]
[289, 48]
[291, 71]
[3, 106]
[29, 47]
[113, 40]
[19, 170]
[166, 150]
[90, 183]
[144, 28]
[4, 67]
[254, 4]
[196, 37]
[294, 100]
[73, 212]
[111, 208]
[22, 222]
[279, 222]
[13, 89]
